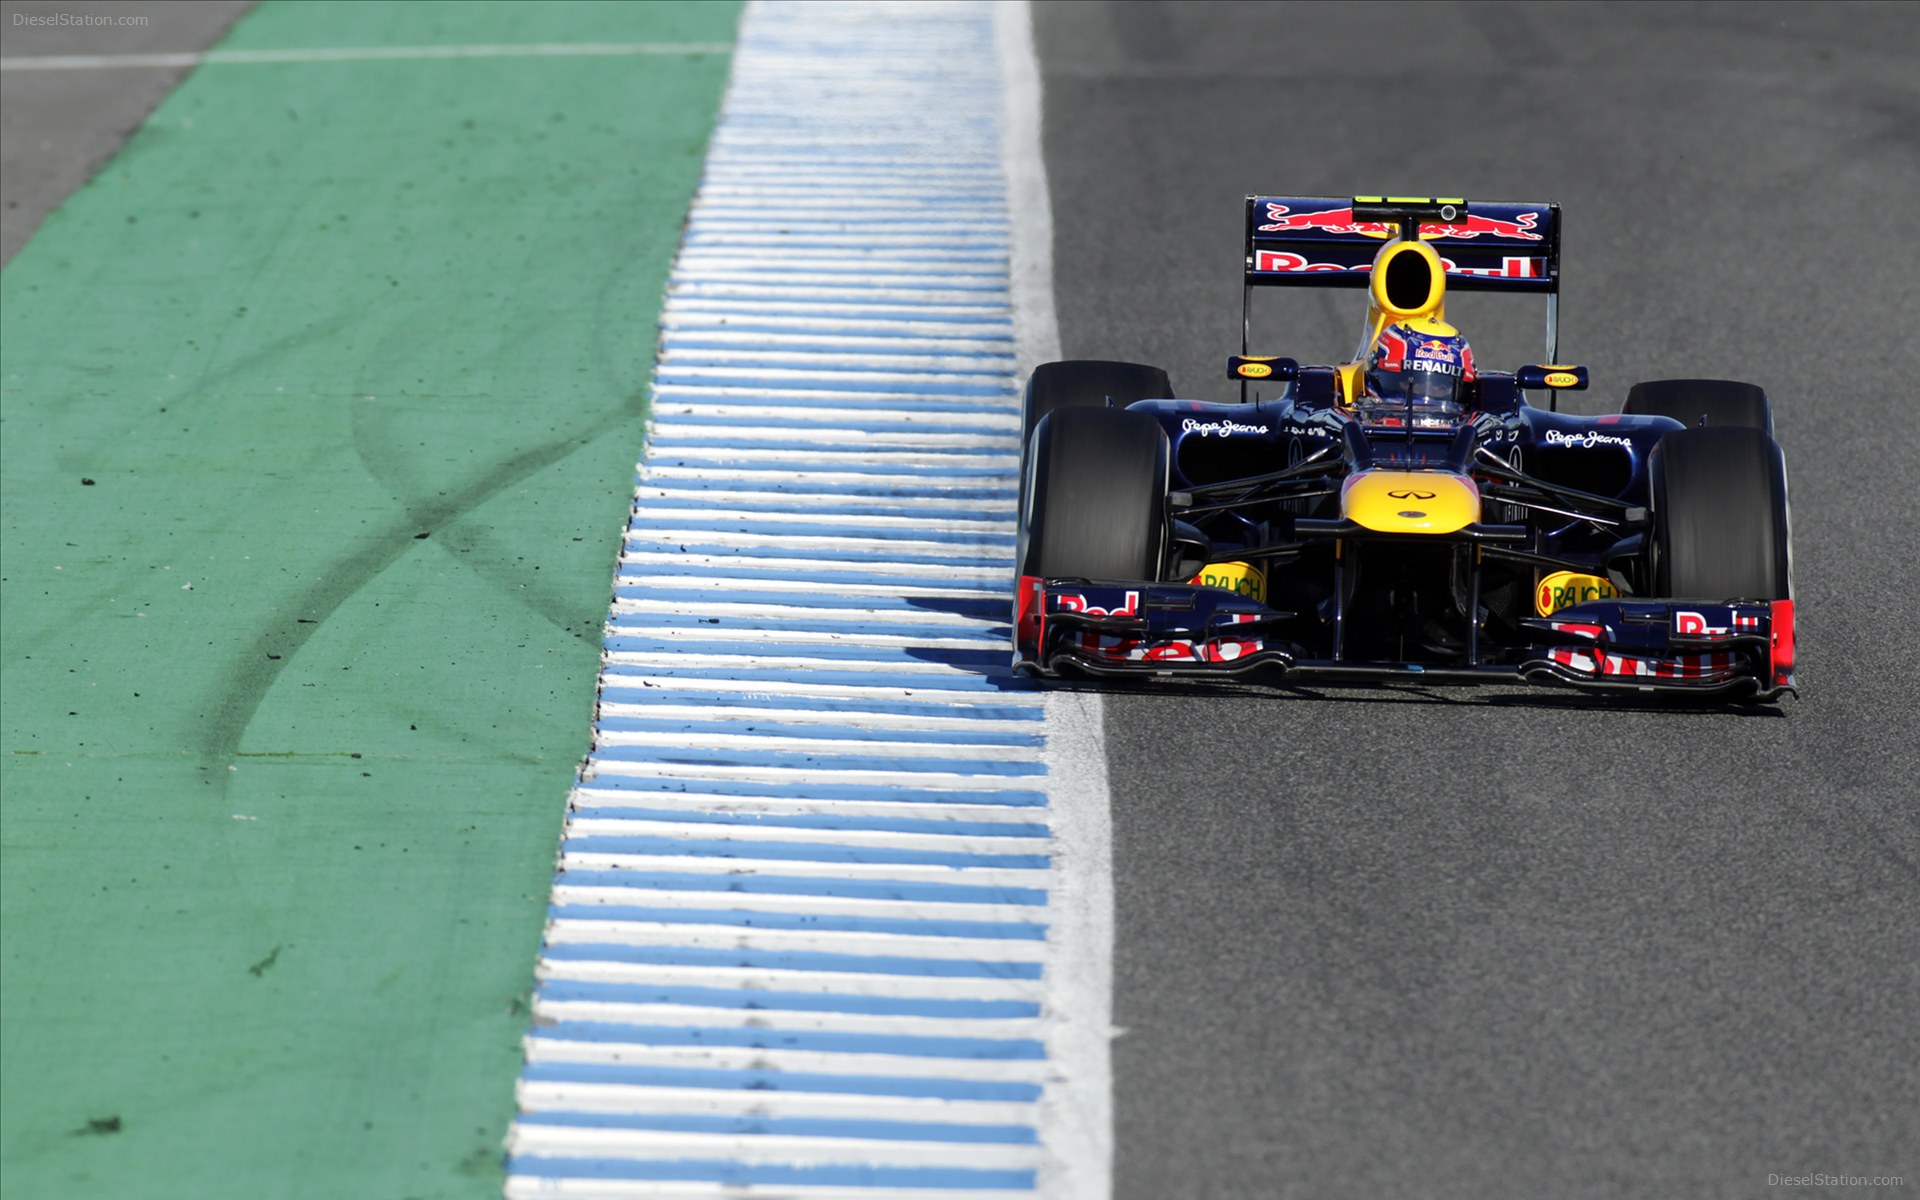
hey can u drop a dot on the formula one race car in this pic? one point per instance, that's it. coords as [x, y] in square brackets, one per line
[1354, 529]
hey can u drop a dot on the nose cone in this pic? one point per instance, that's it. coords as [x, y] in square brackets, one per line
[1410, 501]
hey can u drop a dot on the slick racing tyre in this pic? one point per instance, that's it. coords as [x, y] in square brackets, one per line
[1089, 384]
[1719, 402]
[1084, 383]
[1097, 496]
[1720, 518]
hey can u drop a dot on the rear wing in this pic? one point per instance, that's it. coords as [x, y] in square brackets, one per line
[1305, 241]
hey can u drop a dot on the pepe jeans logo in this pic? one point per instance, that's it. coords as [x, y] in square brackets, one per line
[1218, 428]
[1586, 441]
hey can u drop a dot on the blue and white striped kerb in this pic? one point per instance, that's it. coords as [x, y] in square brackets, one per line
[800, 929]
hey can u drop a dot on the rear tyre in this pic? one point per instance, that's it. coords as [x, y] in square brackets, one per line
[1719, 402]
[1096, 496]
[1084, 383]
[1720, 516]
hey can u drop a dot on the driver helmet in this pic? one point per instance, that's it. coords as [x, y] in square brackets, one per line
[1424, 361]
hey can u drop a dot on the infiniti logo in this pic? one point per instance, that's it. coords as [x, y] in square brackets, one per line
[1411, 495]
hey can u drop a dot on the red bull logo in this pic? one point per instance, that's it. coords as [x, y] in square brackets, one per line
[1282, 260]
[1340, 220]
[1510, 268]
[1078, 604]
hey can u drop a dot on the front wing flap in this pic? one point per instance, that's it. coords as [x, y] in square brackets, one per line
[1120, 628]
[1107, 628]
[1667, 645]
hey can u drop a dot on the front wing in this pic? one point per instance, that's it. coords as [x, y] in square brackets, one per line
[1732, 648]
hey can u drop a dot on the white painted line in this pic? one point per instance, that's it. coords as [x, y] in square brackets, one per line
[751, 834]
[775, 583]
[790, 636]
[852, 241]
[947, 303]
[802, 1020]
[785, 868]
[774, 375]
[761, 477]
[816, 358]
[722, 609]
[885, 258]
[669, 685]
[657, 569]
[973, 192]
[810, 227]
[563, 1141]
[772, 581]
[565, 931]
[825, 544]
[103, 62]
[934, 404]
[1077, 1111]
[845, 169]
[804, 1062]
[814, 422]
[798, 981]
[904, 204]
[645, 514]
[527, 1187]
[799, 664]
[977, 314]
[829, 457]
[610, 801]
[692, 314]
[544, 1096]
[879, 716]
[901, 570]
[770, 902]
[722, 335]
[668, 430]
[899, 157]
[797, 744]
[714, 773]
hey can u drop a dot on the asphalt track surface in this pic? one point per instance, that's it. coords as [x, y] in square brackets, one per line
[1496, 943]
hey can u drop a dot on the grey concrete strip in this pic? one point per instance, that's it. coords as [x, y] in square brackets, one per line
[58, 127]
[1496, 944]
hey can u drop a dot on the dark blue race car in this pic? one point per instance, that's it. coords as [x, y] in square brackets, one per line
[1335, 532]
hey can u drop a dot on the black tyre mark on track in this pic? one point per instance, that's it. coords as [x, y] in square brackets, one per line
[272, 648]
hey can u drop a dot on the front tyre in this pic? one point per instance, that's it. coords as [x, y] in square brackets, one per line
[1082, 383]
[1096, 496]
[1717, 403]
[1720, 516]
[1088, 383]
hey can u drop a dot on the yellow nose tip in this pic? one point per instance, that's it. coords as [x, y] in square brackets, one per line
[1410, 501]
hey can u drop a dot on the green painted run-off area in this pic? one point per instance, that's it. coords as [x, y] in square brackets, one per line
[320, 410]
